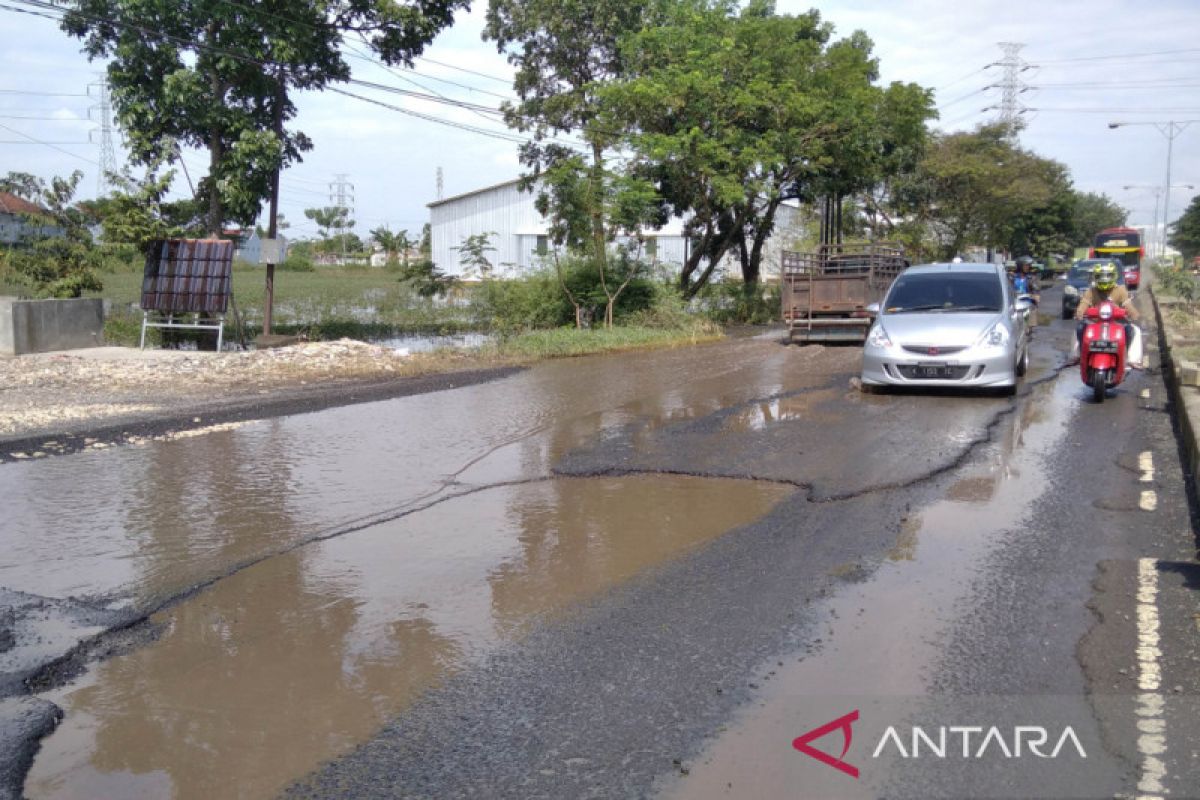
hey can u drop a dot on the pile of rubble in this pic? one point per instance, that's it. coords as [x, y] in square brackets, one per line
[37, 391]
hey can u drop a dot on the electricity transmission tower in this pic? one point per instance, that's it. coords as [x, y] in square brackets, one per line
[341, 197]
[101, 114]
[1011, 85]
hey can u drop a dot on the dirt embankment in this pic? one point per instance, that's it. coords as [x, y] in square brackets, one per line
[65, 402]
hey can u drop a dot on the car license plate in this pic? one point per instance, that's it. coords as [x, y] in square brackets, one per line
[932, 370]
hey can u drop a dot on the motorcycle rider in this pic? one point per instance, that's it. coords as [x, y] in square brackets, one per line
[1104, 288]
[1025, 283]
[1026, 275]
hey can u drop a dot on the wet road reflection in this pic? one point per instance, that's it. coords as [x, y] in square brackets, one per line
[139, 525]
[887, 631]
[293, 661]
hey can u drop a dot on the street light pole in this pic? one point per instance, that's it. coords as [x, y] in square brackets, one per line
[1157, 191]
[1169, 129]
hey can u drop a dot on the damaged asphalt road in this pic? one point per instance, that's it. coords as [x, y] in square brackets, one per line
[619, 576]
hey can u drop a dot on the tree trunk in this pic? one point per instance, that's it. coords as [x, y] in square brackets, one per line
[599, 234]
[752, 270]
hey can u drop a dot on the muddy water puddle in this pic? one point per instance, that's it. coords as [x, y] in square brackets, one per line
[885, 632]
[137, 525]
[262, 677]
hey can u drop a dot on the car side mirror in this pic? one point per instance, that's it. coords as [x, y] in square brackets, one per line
[873, 308]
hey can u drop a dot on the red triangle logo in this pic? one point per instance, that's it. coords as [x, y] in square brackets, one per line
[843, 724]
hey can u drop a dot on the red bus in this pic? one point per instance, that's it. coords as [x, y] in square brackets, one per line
[1122, 244]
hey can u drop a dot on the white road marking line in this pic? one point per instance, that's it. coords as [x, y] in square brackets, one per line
[1152, 741]
[1146, 465]
[1148, 501]
[1145, 394]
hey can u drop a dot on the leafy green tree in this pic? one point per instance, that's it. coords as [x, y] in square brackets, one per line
[1046, 227]
[473, 253]
[57, 255]
[334, 224]
[219, 74]
[138, 212]
[426, 279]
[1185, 231]
[981, 188]
[395, 245]
[733, 110]
[565, 53]
[1094, 212]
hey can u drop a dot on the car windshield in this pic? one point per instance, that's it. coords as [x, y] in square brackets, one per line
[945, 292]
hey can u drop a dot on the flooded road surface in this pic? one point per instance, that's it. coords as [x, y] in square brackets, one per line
[258, 680]
[883, 638]
[141, 525]
[547, 585]
[336, 563]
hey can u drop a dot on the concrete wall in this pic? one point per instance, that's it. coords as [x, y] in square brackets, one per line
[41, 326]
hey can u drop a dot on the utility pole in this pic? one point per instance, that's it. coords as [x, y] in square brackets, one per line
[1169, 129]
[341, 196]
[273, 222]
[441, 184]
[1157, 191]
[101, 114]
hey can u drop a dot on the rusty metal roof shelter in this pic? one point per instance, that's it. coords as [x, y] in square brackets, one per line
[187, 285]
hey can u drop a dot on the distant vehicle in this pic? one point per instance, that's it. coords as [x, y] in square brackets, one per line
[958, 325]
[1123, 245]
[825, 293]
[1132, 276]
[1079, 278]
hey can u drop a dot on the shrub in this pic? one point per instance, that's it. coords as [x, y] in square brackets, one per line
[298, 263]
[536, 301]
[733, 302]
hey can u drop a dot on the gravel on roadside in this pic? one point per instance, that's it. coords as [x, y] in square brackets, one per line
[85, 392]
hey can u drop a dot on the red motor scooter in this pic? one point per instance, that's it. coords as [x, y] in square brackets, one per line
[1102, 350]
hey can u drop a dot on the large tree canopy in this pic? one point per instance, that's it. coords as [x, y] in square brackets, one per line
[217, 75]
[1093, 213]
[733, 110]
[1185, 231]
[981, 188]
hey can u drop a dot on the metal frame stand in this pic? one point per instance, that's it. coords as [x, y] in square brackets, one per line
[218, 326]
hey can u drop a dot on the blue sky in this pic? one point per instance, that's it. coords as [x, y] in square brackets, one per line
[1091, 62]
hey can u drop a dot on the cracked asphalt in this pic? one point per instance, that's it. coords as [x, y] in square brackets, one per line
[622, 576]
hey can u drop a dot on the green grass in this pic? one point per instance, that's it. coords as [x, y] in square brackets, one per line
[326, 303]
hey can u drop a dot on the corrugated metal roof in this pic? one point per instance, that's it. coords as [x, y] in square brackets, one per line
[484, 190]
[11, 204]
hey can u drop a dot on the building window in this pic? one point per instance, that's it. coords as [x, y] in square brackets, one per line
[652, 247]
[543, 245]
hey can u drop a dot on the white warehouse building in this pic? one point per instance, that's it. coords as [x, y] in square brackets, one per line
[520, 237]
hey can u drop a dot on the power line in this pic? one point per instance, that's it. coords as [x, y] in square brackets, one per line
[957, 81]
[263, 63]
[464, 69]
[47, 119]
[1120, 56]
[964, 97]
[1111, 110]
[508, 137]
[42, 94]
[1083, 87]
[51, 145]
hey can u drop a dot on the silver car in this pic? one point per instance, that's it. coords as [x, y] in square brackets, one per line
[956, 325]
